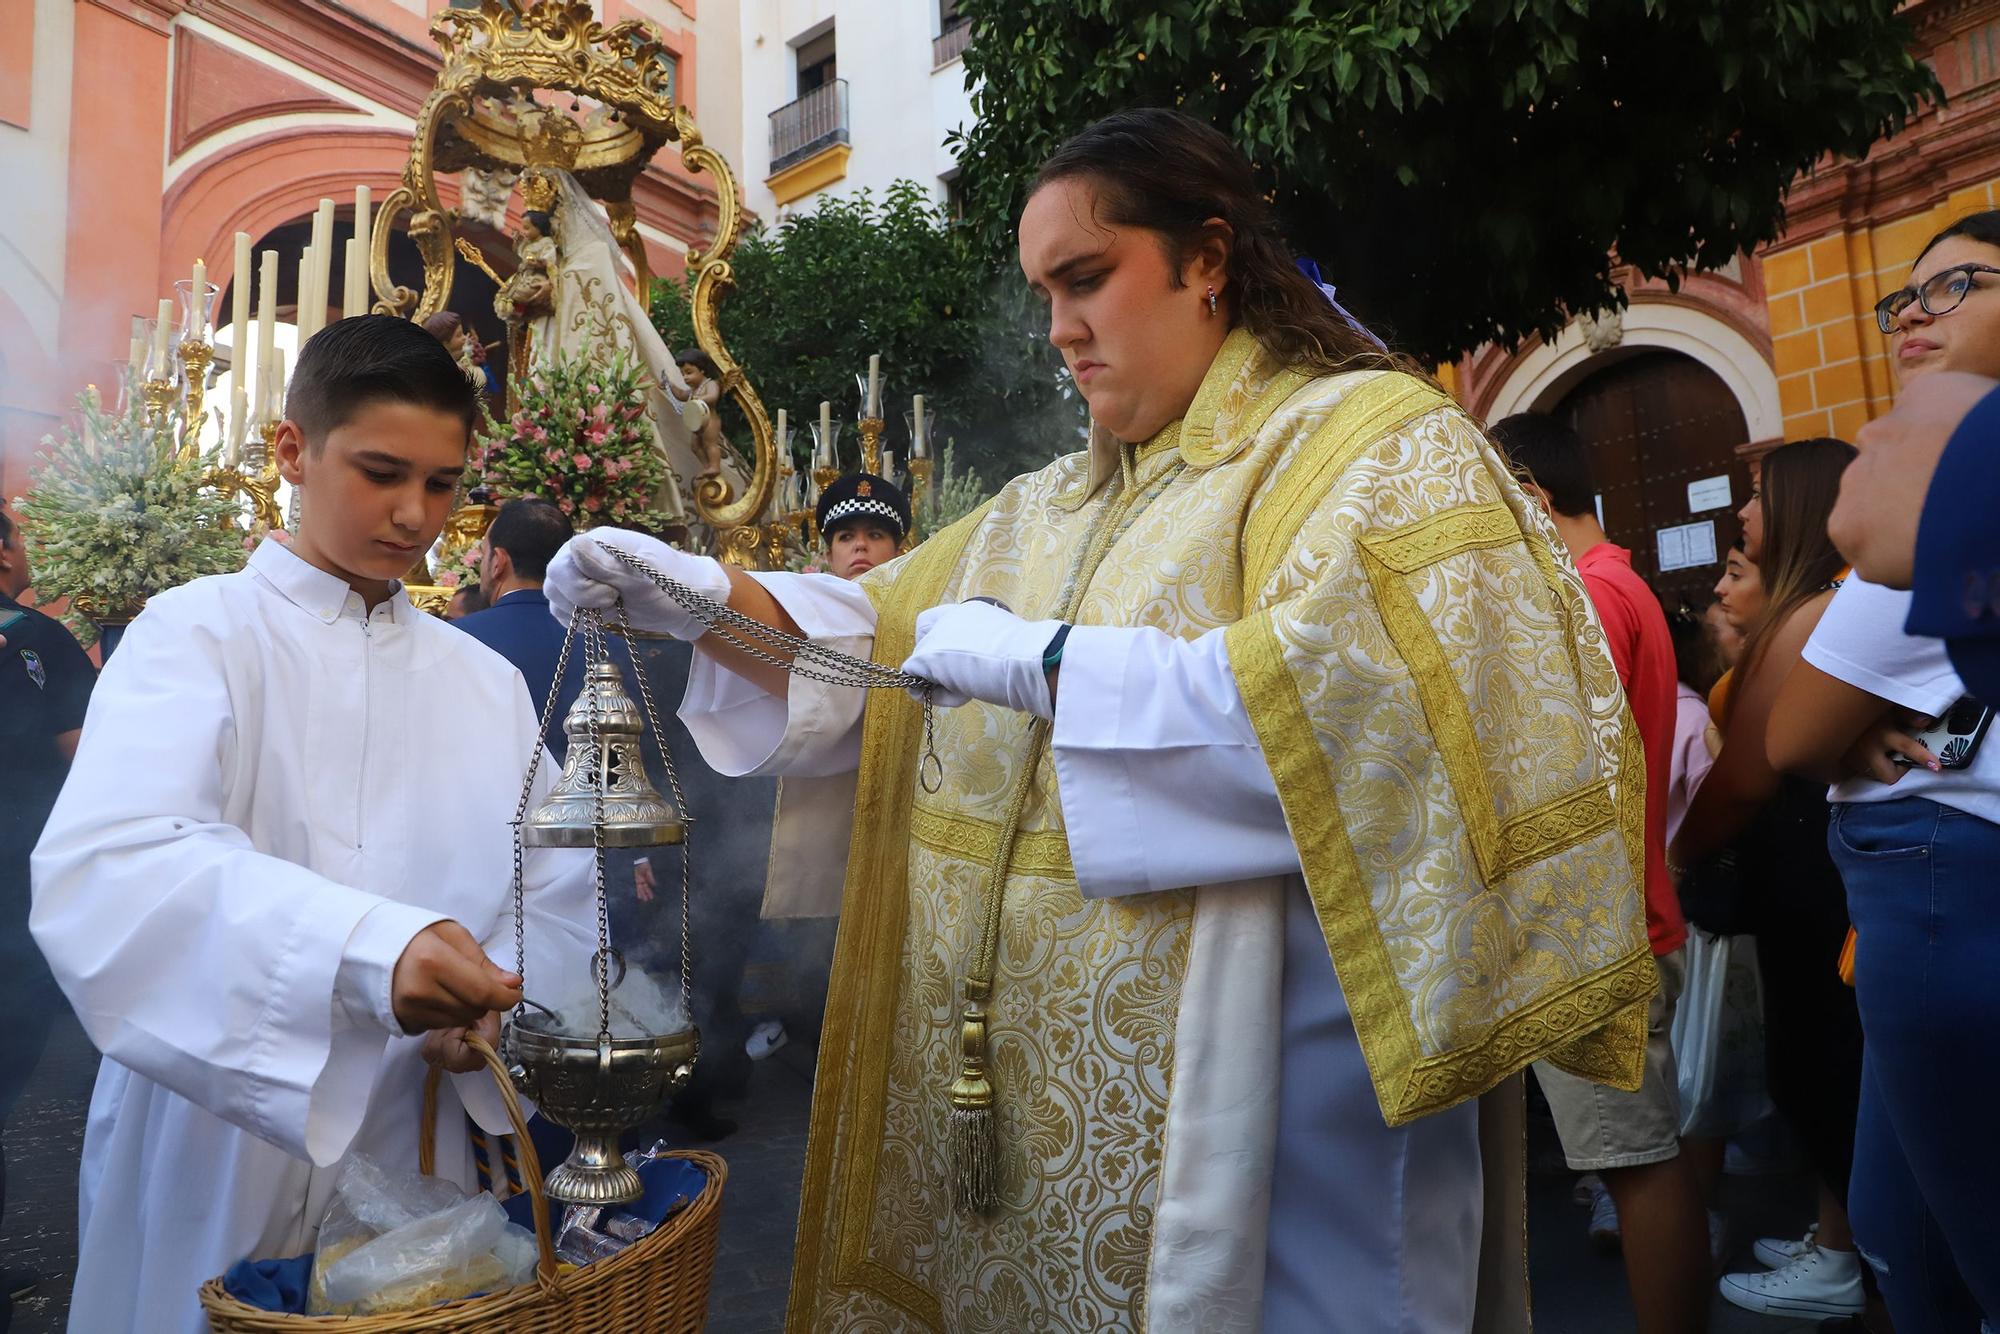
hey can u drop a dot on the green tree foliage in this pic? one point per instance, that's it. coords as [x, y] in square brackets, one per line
[1463, 169]
[821, 292]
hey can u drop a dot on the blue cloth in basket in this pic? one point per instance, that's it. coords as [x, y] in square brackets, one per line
[670, 1185]
[271, 1285]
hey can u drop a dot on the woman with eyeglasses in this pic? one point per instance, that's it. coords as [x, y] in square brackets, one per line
[1948, 317]
[1916, 834]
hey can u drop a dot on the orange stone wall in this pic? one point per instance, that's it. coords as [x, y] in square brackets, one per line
[1831, 357]
[1855, 227]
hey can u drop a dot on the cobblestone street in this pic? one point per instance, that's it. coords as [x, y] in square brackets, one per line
[1576, 1290]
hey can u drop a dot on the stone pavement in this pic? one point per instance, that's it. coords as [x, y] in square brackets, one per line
[1576, 1291]
[760, 1205]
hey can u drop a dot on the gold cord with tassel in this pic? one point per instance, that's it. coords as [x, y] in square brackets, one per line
[975, 1135]
[974, 1125]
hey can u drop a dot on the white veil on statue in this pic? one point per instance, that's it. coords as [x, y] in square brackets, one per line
[593, 299]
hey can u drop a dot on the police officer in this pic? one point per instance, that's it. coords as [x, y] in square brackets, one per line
[45, 682]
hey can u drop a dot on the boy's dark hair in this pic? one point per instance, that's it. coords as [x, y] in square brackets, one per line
[531, 531]
[1548, 452]
[694, 356]
[366, 359]
[6, 530]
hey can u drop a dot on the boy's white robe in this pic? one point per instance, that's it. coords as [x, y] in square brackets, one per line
[275, 791]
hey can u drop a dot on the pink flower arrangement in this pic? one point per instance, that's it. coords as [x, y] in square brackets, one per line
[580, 437]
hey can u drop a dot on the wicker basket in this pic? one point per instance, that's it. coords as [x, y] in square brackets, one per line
[658, 1285]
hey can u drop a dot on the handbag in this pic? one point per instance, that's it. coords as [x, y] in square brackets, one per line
[1718, 1037]
[1712, 897]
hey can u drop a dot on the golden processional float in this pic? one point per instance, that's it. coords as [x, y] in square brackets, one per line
[496, 114]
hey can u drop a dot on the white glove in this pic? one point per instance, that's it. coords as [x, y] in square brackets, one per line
[583, 574]
[975, 650]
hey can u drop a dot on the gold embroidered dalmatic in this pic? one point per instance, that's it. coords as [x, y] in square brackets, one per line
[1451, 747]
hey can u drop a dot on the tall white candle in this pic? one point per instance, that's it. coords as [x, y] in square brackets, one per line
[138, 352]
[274, 410]
[303, 316]
[267, 309]
[364, 229]
[197, 298]
[918, 447]
[322, 252]
[239, 422]
[302, 294]
[875, 385]
[163, 330]
[826, 433]
[239, 310]
[353, 299]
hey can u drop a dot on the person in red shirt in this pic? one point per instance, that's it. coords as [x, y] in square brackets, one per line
[1632, 1140]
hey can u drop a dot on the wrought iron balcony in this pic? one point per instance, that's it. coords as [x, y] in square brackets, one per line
[949, 44]
[814, 122]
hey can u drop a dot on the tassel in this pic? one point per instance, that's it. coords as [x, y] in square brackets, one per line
[975, 1136]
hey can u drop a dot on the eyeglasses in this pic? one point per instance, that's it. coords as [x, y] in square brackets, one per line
[1940, 294]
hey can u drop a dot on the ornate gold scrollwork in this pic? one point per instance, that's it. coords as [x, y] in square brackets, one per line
[481, 114]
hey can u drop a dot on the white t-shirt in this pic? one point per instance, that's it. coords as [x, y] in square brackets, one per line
[1860, 640]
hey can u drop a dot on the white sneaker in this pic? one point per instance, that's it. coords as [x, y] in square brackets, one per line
[764, 1039]
[1819, 1283]
[1777, 1252]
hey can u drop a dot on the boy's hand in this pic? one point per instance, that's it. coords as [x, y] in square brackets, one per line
[446, 1047]
[444, 980]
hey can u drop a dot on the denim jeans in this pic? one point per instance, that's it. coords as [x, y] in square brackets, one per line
[1923, 889]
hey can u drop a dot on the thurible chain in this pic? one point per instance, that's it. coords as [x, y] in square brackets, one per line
[797, 654]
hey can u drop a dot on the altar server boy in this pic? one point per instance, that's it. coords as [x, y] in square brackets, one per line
[282, 860]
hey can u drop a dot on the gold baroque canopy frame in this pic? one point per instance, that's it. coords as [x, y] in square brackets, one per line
[481, 115]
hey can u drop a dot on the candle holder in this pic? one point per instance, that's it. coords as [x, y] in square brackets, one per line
[127, 379]
[825, 477]
[871, 444]
[159, 382]
[787, 525]
[196, 355]
[256, 478]
[920, 475]
[260, 471]
[159, 396]
[826, 450]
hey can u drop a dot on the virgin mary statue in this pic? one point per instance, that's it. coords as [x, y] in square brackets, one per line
[596, 310]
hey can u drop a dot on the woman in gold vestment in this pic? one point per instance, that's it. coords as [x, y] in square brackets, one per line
[1288, 805]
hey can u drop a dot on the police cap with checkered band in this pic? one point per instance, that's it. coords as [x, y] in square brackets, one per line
[863, 495]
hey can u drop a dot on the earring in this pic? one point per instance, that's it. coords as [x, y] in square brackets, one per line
[1211, 299]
